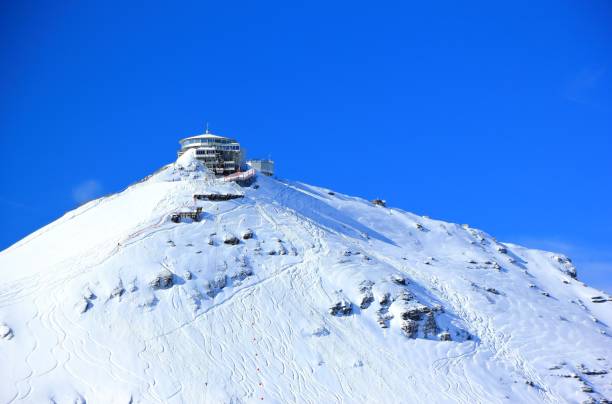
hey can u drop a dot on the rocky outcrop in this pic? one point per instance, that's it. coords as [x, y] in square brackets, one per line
[163, 280]
[430, 327]
[367, 297]
[231, 239]
[219, 281]
[379, 202]
[567, 266]
[342, 307]
[410, 328]
[247, 234]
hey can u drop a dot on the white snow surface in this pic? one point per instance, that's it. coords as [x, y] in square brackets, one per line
[331, 299]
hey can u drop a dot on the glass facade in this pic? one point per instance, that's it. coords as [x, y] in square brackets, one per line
[221, 155]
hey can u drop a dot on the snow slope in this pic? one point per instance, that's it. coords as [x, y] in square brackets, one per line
[315, 297]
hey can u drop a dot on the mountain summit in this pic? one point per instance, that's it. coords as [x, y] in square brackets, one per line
[185, 288]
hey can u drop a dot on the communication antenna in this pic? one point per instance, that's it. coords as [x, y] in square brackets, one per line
[206, 129]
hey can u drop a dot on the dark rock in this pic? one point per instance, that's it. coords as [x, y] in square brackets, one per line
[118, 291]
[398, 279]
[409, 328]
[379, 202]
[414, 312]
[445, 336]
[365, 286]
[247, 234]
[366, 300]
[568, 266]
[341, 308]
[385, 299]
[502, 250]
[83, 305]
[492, 290]
[163, 280]
[430, 327]
[231, 240]
[217, 197]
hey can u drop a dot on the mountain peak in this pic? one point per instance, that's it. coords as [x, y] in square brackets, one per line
[191, 288]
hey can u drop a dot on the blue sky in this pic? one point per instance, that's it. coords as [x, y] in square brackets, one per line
[496, 114]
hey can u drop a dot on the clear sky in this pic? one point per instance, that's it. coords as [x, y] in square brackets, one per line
[496, 114]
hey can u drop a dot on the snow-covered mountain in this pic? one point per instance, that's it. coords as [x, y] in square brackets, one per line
[289, 293]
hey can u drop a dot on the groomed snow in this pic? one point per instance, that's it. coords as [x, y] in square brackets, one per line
[328, 298]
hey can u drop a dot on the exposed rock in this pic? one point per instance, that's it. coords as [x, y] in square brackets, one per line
[383, 317]
[163, 280]
[414, 311]
[118, 291]
[592, 372]
[419, 226]
[492, 290]
[242, 274]
[5, 332]
[365, 286]
[385, 299]
[231, 239]
[379, 202]
[341, 308]
[437, 308]
[502, 250]
[83, 305]
[320, 332]
[366, 300]
[398, 279]
[88, 294]
[409, 328]
[568, 266]
[217, 197]
[282, 250]
[219, 281]
[598, 299]
[445, 336]
[247, 234]
[430, 327]
[404, 295]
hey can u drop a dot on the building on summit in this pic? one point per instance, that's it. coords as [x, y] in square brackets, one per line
[222, 155]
